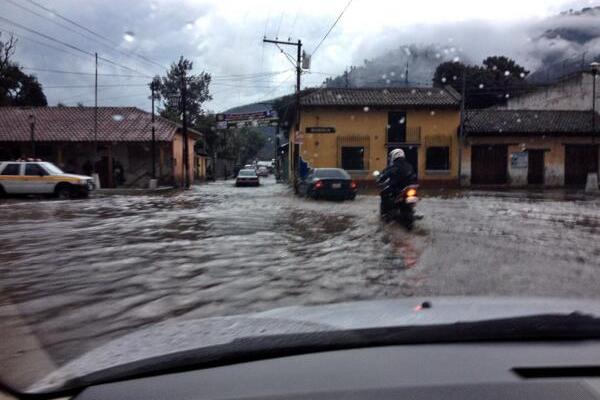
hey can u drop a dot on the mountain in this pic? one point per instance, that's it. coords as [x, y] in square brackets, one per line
[412, 65]
[557, 46]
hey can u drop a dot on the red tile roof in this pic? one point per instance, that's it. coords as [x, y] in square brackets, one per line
[76, 124]
[497, 122]
[390, 97]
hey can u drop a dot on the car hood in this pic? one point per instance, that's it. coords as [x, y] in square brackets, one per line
[182, 335]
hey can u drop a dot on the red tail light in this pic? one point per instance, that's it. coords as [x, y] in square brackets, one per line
[318, 184]
[353, 185]
[411, 193]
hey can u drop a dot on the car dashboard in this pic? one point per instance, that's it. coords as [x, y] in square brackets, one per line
[529, 370]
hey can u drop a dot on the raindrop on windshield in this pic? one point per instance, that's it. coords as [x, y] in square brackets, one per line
[507, 95]
[189, 24]
[384, 76]
[429, 93]
[454, 77]
[129, 36]
[494, 67]
[352, 117]
[117, 117]
[338, 96]
[518, 120]
[392, 73]
[388, 126]
[443, 79]
[413, 91]
[401, 120]
[506, 73]
[432, 113]
[481, 86]
[437, 55]
[366, 109]
[385, 91]
[388, 81]
[456, 59]
[522, 74]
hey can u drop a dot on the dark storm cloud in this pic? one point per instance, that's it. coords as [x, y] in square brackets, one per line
[229, 43]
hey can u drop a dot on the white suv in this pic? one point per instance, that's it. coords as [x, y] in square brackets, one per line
[39, 177]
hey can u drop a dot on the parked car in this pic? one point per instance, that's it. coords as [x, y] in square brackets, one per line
[328, 183]
[38, 177]
[247, 177]
[262, 171]
[249, 166]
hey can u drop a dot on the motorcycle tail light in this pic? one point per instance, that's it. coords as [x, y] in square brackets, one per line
[411, 193]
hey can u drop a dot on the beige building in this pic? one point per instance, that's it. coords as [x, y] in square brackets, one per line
[529, 147]
[355, 129]
[65, 136]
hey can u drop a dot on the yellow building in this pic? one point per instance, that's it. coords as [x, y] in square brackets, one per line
[356, 128]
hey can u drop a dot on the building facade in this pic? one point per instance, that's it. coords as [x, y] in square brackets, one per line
[529, 147]
[355, 129]
[120, 151]
[574, 92]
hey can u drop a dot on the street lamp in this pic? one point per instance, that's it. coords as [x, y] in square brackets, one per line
[595, 67]
[32, 133]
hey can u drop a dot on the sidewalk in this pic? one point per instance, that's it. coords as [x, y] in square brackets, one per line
[133, 191]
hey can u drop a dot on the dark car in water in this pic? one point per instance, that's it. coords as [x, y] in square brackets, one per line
[333, 183]
[247, 177]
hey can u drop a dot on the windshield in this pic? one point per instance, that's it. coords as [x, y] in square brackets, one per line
[53, 169]
[331, 173]
[249, 156]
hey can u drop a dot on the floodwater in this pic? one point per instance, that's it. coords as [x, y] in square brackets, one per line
[78, 273]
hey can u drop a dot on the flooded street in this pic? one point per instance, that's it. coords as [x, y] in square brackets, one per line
[79, 273]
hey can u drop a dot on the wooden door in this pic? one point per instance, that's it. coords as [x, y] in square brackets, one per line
[489, 164]
[579, 161]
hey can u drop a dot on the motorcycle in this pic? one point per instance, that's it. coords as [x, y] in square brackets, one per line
[399, 206]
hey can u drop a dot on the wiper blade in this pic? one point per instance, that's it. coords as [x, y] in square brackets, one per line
[546, 327]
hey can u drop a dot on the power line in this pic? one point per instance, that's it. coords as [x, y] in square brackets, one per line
[55, 71]
[280, 21]
[113, 43]
[91, 86]
[20, 35]
[71, 46]
[332, 26]
[289, 57]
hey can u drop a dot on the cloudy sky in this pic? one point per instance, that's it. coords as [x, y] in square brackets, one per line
[140, 38]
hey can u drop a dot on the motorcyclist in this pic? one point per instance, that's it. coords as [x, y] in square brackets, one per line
[400, 174]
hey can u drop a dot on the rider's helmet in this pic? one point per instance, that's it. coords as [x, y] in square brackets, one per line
[396, 153]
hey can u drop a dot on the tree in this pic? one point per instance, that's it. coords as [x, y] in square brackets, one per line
[16, 87]
[498, 79]
[169, 91]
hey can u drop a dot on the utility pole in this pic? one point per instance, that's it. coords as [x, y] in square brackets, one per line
[462, 123]
[153, 147]
[95, 115]
[32, 134]
[294, 148]
[186, 172]
[406, 75]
